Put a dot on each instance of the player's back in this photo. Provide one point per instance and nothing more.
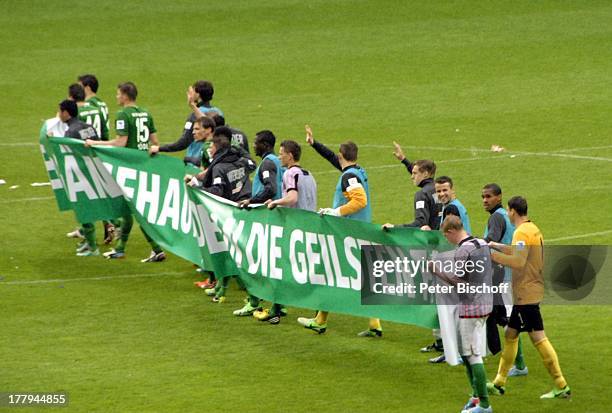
(137, 124)
(92, 115)
(99, 103)
(528, 282)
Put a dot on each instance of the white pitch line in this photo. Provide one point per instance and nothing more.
(399, 165)
(561, 153)
(19, 144)
(110, 277)
(37, 198)
(590, 234)
(586, 148)
(564, 155)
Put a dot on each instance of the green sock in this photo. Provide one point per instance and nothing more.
(480, 379)
(519, 361)
(276, 309)
(221, 286)
(470, 375)
(126, 227)
(120, 245)
(254, 301)
(89, 231)
(154, 245)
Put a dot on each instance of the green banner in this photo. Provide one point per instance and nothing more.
(285, 255)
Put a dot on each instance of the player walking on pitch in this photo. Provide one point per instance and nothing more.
(526, 258)
(474, 308)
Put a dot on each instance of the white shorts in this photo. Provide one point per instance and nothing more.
(472, 336)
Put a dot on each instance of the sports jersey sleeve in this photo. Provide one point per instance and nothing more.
(325, 152)
(354, 192)
(267, 175)
(290, 179)
(520, 250)
(496, 227)
(422, 210)
(151, 123)
(408, 165)
(185, 139)
(121, 124)
(218, 182)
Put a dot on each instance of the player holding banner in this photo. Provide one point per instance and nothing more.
(352, 201)
(135, 129)
(474, 308)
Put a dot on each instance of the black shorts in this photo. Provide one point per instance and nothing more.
(526, 318)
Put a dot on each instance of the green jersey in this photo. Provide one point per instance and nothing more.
(105, 128)
(137, 124)
(92, 115)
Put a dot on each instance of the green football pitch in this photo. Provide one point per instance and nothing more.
(447, 80)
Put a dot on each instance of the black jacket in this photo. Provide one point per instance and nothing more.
(78, 129)
(426, 206)
(228, 175)
(186, 137)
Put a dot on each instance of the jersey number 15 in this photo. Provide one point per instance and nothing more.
(142, 134)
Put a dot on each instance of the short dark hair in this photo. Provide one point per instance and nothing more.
(496, 189)
(451, 222)
(223, 131)
(426, 165)
(266, 137)
(519, 204)
(444, 180)
(293, 148)
(219, 119)
(206, 122)
(69, 106)
(76, 92)
(89, 80)
(128, 89)
(349, 151)
(221, 141)
(205, 89)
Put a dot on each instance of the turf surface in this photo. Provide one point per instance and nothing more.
(446, 80)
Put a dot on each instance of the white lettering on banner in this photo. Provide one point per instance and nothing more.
(209, 228)
(95, 177)
(103, 174)
(309, 251)
(326, 262)
(276, 232)
(300, 274)
(349, 245)
(171, 207)
(102, 188)
(65, 149)
(76, 181)
(314, 259)
(123, 175)
(259, 233)
(51, 166)
(232, 233)
(341, 280)
(354, 261)
(146, 196)
(186, 217)
(198, 229)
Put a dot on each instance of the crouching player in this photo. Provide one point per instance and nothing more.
(472, 265)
